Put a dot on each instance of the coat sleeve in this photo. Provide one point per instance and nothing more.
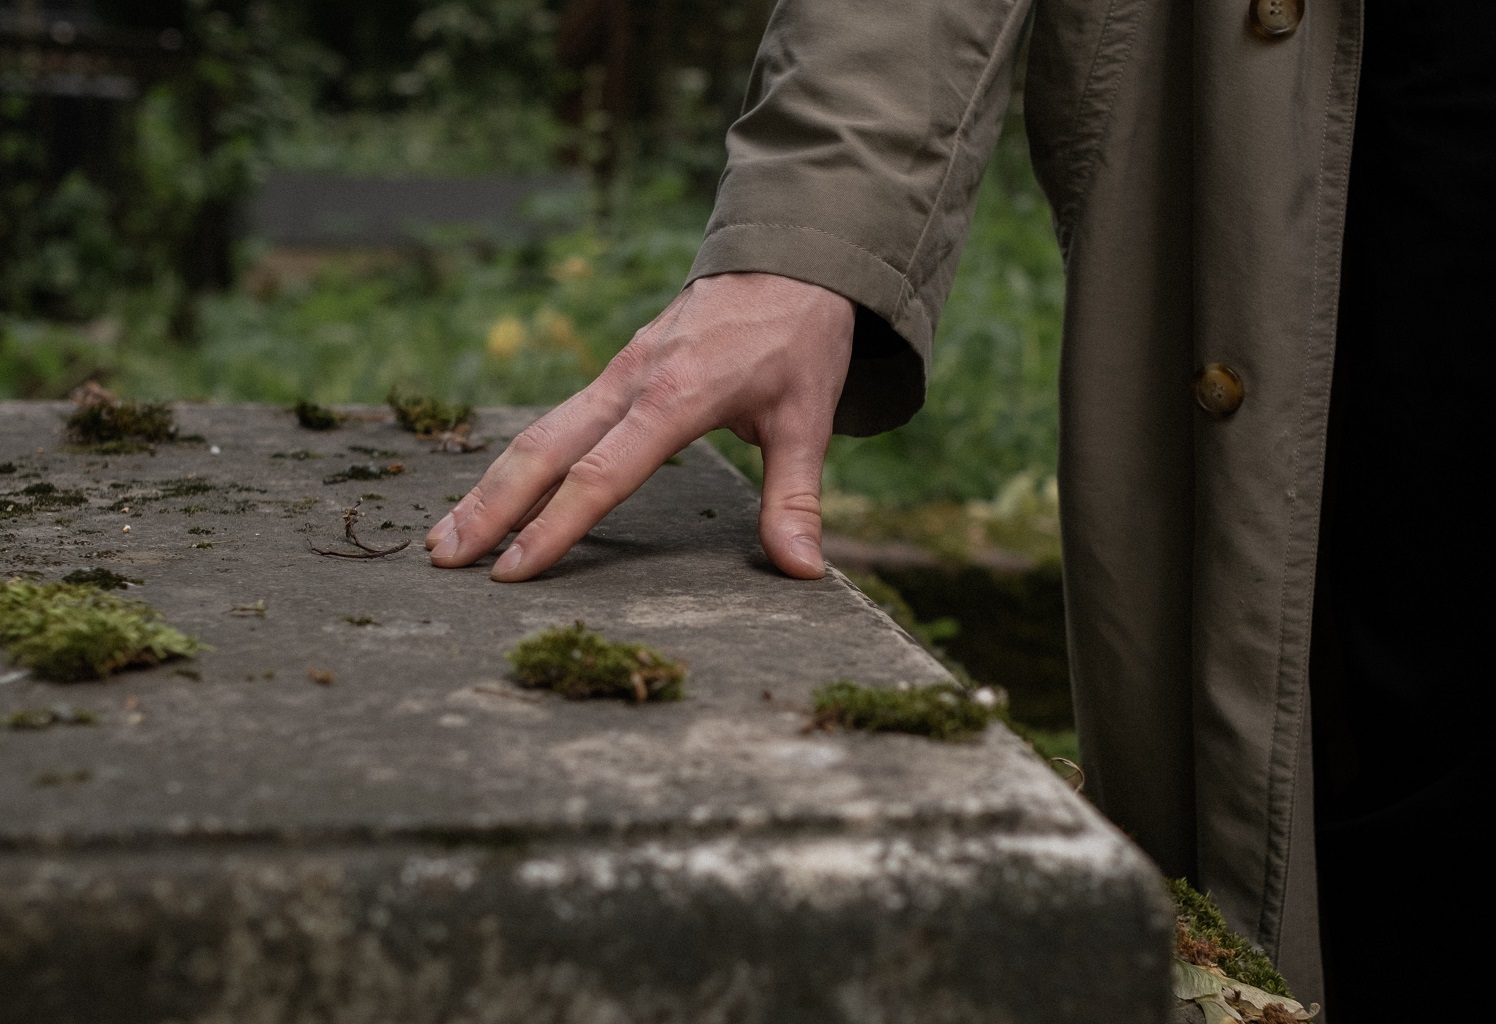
(855, 166)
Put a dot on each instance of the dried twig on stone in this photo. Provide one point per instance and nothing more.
(351, 516)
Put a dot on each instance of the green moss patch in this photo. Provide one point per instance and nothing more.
(580, 663)
(1220, 972)
(317, 417)
(121, 424)
(68, 632)
(944, 711)
(428, 416)
(45, 718)
(104, 579)
(1204, 940)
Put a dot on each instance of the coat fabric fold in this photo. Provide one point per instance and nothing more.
(1196, 158)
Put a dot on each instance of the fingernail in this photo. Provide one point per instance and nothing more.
(508, 561)
(447, 546)
(808, 551)
(441, 530)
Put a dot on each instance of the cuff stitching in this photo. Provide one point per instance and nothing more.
(903, 276)
(908, 294)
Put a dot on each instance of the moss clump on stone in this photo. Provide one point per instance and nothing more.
(69, 632)
(580, 663)
(45, 718)
(427, 416)
(104, 579)
(365, 471)
(944, 711)
(1205, 941)
(121, 423)
(317, 417)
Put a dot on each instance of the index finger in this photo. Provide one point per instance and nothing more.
(520, 477)
(596, 484)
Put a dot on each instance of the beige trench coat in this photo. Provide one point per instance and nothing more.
(1197, 170)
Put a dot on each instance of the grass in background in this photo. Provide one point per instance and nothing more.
(534, 323)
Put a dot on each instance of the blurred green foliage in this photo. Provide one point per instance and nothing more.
(382, 87)
(533, 323)
(527, 325)
(122, 283)
(150, 203)
(445, 87)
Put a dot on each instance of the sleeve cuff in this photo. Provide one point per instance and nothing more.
(891, 344)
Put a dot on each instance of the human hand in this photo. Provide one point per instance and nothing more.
(762, 355)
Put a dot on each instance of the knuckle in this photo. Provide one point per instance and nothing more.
(663, 393)
(534, 441)
(805, 503)
(592, 473)
(630, 360)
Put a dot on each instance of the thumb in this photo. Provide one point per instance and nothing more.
(789, 519)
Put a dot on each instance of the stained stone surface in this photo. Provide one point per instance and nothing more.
(423, 841)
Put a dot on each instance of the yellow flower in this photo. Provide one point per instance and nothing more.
(573, 268)
(506, 337)
(558, 332)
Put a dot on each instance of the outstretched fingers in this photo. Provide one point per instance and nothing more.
(515, 487)
(596, 484)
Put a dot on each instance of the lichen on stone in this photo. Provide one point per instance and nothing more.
(365, 471)
(942, 711)
(317, 417)
(121, 424)
(42, 497)
(580, 663)
(428, 416)
(69, 632)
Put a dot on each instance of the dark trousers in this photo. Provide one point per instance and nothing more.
(1400, 675)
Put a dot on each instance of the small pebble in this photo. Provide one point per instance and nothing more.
(215, 450)
(124, 529)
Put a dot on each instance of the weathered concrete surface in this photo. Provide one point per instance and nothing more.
(421, 841)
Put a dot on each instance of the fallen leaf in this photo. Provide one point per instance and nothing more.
(1224, 1000)
(1217, 1010)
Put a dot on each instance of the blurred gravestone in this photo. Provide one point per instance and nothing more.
(346, 812)
(295, 209)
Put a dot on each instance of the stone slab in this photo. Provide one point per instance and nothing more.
(422, 841)
(300, 208)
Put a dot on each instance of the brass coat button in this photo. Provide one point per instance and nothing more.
(1218, 389)
(1275, 19)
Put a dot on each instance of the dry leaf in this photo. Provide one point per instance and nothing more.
(1225, 1000)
